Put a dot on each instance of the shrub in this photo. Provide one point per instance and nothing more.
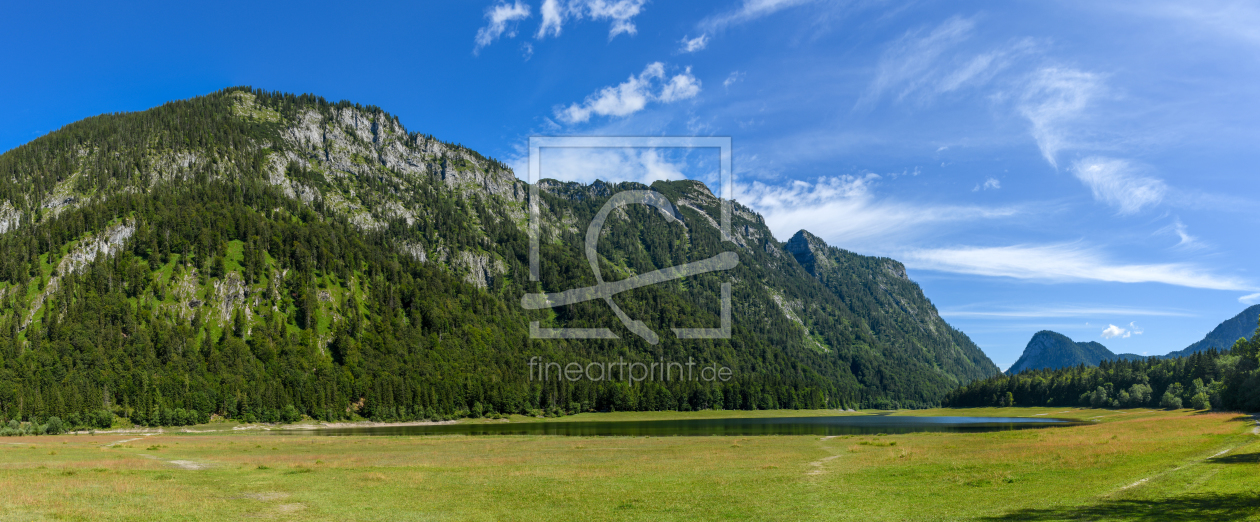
(1170, 401)
(290, 414)
(102, 419)
(1200, 402)
(1139, 394)
(55, 426)
(1099, 398)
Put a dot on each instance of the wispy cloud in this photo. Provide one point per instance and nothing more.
(906, 64)
(633, 95)
(733, 78)
(1250, 299)
(748, 11)
(619, 13)
(1059, 311)
(923, 66)
(1117, 183)
(991, 183)
(691, 45)
(1185, 240)
(845, 211)
(1054, 101)
(1064, 262)
(501, 18)
(1216, 18)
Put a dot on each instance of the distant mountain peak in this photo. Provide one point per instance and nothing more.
(1053, 350)
(805, 248)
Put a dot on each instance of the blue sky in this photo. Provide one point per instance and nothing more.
(1078, 166)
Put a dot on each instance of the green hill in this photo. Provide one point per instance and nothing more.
(262, 256)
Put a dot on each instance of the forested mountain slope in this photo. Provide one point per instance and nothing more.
(877, 290)
(262, 255)
(1241, 326)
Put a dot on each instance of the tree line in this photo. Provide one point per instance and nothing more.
(1212, 379)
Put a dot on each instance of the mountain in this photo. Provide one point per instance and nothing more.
(1241, 326)
(261, 256)
(877, 290)
(1053, 350)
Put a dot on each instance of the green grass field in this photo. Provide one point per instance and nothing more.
(1130, 465)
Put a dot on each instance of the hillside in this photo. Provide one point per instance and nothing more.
(1053, 350)
(262, 255)
(878, 290)
(1241, 326)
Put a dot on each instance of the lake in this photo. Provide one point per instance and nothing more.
(839, 425)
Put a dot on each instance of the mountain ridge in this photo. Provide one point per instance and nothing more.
(1241, 326)
(257, 255)
(1052, 350)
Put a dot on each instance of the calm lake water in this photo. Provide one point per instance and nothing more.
(841, 425)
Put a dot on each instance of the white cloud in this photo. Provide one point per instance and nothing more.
(1133, 327)
(1055, 99)
(1114, 331)
(748, 11)
(1064, 262)
(502, 18)
(610, 165)
(991, 183)
(691, 45)
(552, 18)
(1250, 299)
(633, 95)
(680, 87)
(1115, 182)
(733, 78)
(620, 13)
(844, 211)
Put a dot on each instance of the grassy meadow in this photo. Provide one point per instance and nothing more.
(1129, 465)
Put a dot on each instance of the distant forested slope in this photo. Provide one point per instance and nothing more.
(1213, 378)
